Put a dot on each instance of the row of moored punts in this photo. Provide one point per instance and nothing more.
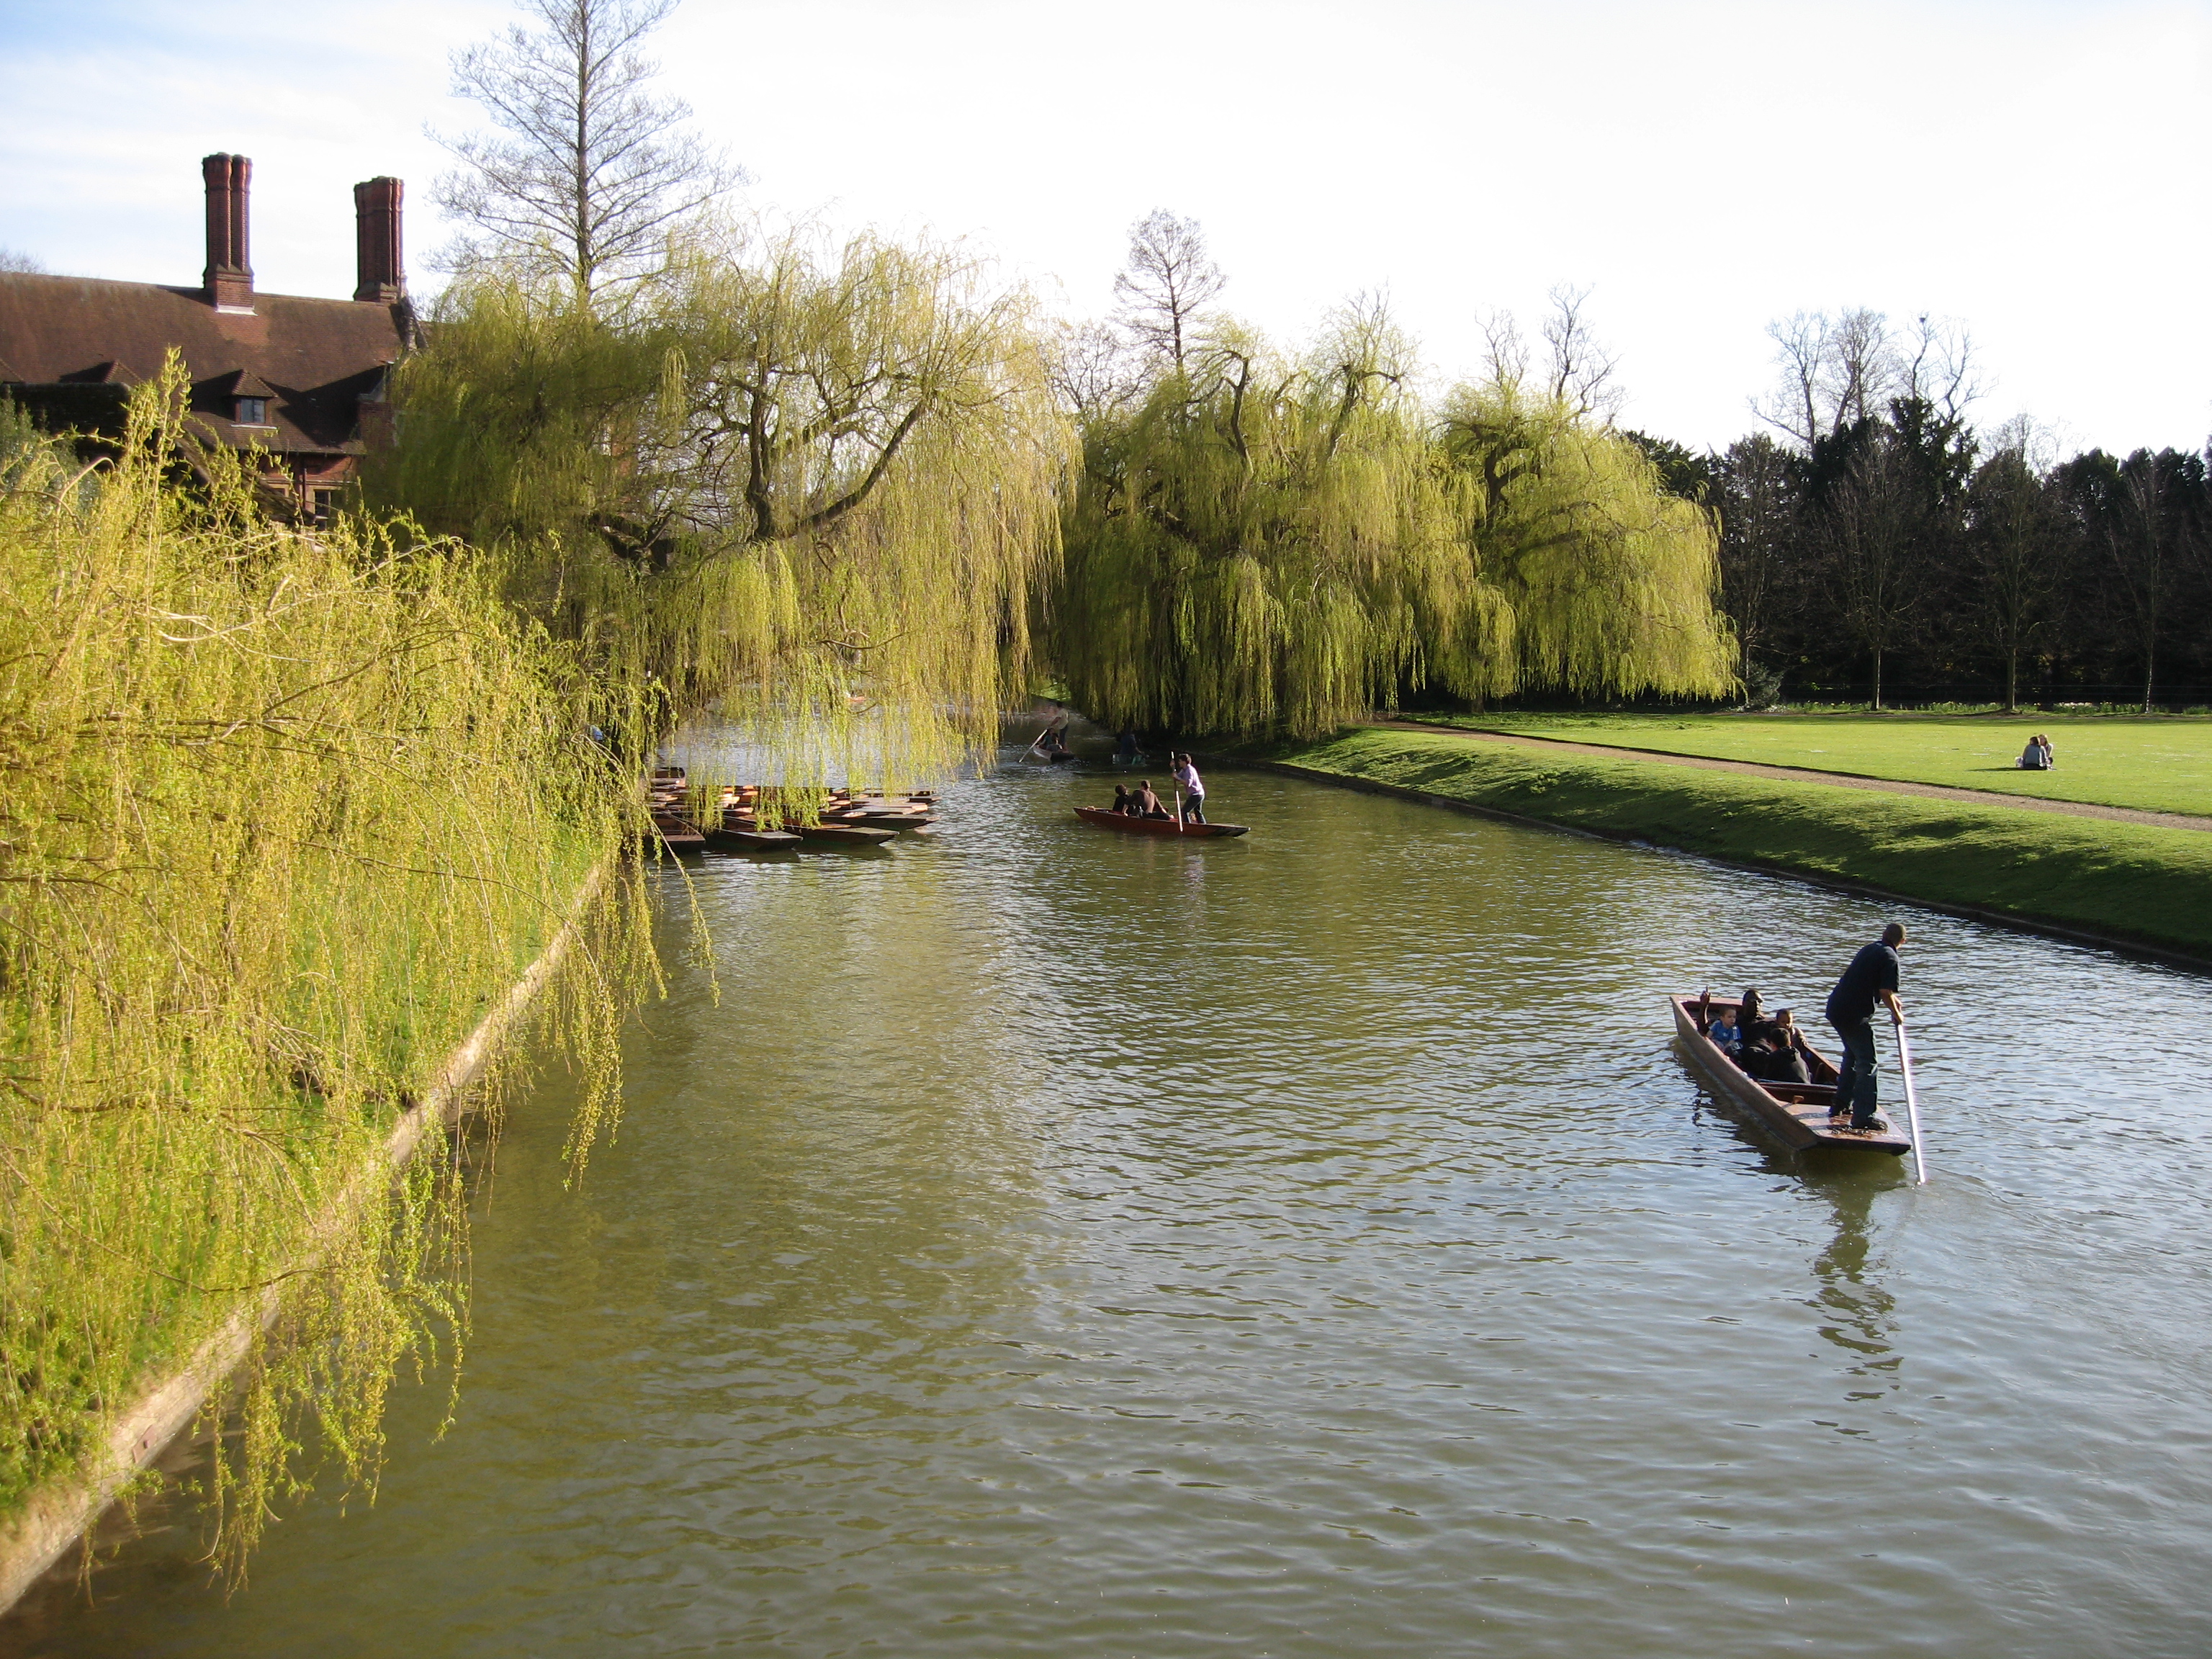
(746, 817)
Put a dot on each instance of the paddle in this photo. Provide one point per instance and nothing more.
(1912, 1100)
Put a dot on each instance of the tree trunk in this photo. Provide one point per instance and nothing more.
(2012, 682)
(1877, 679)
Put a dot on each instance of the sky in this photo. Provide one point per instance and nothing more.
(2036, 171)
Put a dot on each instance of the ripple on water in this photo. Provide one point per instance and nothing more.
(1304, 1245)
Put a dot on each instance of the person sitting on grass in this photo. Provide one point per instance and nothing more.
(2036, 757)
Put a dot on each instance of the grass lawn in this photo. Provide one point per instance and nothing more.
(2150, 883)
(2160, 763)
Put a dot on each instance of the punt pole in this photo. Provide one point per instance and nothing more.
(1912, 1103)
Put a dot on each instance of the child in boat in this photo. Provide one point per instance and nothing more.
(1726, 1034)
(1771, 1050)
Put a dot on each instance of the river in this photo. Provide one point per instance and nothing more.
(1055, 1243)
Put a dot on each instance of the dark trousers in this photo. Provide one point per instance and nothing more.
(1856, 1086)
(1194, 808)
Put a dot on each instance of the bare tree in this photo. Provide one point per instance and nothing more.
(1936, 364)
(587, 170)
(1757, 508)
(1869, 528)
(2015, 542)
(1169, 278)
(1581, 369)
(1506, 353)
(1836, 370)
(10, 259)
(1092, 371)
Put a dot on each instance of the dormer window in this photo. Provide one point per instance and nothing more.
(251, 411)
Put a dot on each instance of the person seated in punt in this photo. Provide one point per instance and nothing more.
(1121, 799)
(1726, 1034)
(1144, 804)
(1772, 1049)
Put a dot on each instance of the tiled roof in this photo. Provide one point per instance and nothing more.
(317, 358)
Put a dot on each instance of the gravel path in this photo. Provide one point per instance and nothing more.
(2074, 809)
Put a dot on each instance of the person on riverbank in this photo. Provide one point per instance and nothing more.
(1193, 790)
(2037, 756)
(1870, 980)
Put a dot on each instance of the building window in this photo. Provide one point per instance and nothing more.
(323, 504)
(252, 411)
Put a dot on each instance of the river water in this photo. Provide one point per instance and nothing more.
(1058, 1243)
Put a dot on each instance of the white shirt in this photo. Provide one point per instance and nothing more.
(1187, 776)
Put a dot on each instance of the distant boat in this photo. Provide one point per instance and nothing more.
(1107, 818)
(1796, 1113)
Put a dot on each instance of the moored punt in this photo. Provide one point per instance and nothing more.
(1796, 1113)
(1107, 818)
(843, 835)
(728, 840)
(677, 835)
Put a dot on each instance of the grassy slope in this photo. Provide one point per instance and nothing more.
(2116, 878)
(2161, 763)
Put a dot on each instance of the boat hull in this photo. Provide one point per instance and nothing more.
(1107, 819)
(750, 841)
(842, 835)
(1795, 1114)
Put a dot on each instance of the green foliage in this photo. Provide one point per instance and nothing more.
(2121, 879)
(816, 487)
(1610, 579)
(284, 815)
(1264, 544)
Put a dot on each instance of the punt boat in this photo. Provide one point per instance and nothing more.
(843, 835)
(732, 838)
(1796, 1113)
(676, 833)
(1107, 818)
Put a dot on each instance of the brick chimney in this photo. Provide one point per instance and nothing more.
(383, 275)
(228, 278)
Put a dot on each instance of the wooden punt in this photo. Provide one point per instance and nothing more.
(677, 835)
(1796, 1113)
(842, 835)
(726, 840)
(1107, 818)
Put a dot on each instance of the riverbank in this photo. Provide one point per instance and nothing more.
(2119, 883)
(2160, 763)
(48, 1520)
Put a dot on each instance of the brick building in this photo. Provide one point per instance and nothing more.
(300, 380)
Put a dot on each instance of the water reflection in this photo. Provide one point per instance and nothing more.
(1057, 1244)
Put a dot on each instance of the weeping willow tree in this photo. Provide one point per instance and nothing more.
(1608, 580)
(813, 487)
(1260, 545)
(261, 870)
(1266, 545)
